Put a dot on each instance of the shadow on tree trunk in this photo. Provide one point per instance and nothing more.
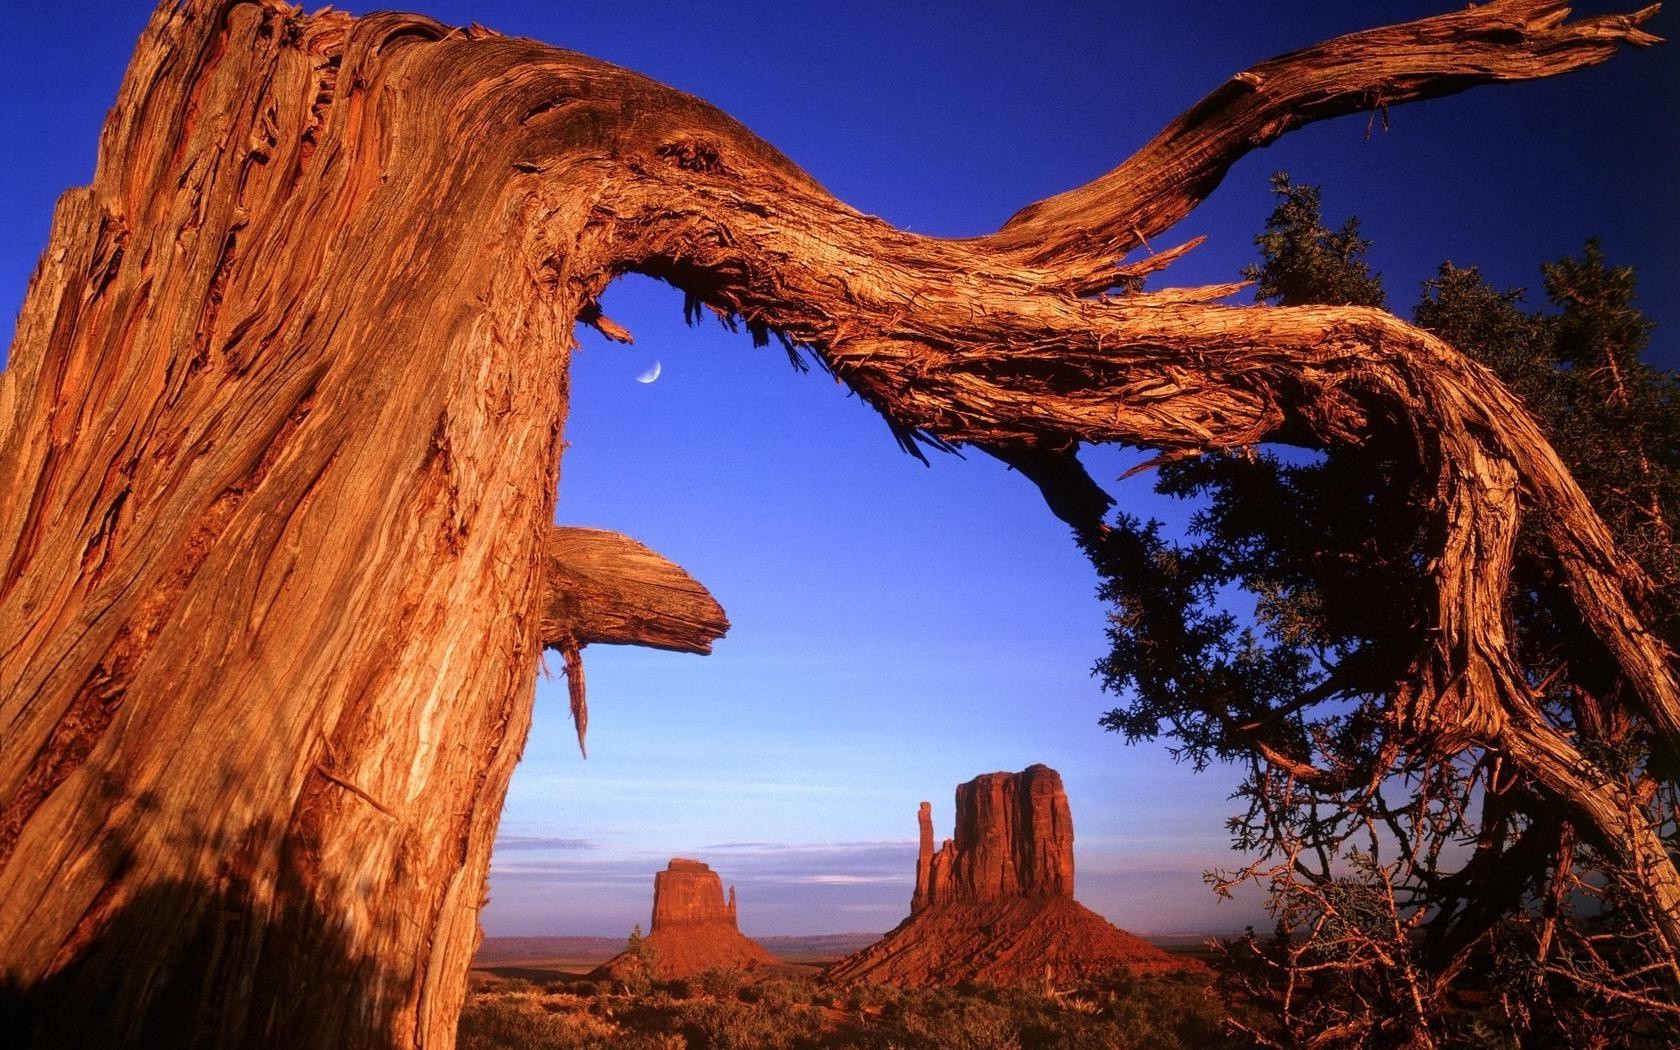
(188, 964)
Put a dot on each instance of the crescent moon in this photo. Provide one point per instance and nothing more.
(650, 375)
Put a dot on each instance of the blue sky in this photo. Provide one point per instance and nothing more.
(898, 628)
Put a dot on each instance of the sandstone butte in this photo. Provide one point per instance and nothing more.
(693, 926)
(996, 903)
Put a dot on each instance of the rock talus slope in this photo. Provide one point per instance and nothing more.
(694, 927)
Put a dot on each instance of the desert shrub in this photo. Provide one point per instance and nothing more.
(524, 1020)
(1159, 1013)
(780, 994)
(719, 982)
(647, 1013)
(728, 1024)
(1169, 1013)
(870, 997)
(954, 1019)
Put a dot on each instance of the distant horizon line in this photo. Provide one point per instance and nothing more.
(619, 937)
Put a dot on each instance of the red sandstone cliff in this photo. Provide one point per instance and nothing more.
(689, 893)
(995, 903)
(693, 926)
(1014, 838)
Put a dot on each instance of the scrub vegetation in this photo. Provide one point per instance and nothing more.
(720, 1010)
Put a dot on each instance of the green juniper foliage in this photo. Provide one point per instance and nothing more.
(1302, 262)
(1422, 893)
(641, 969)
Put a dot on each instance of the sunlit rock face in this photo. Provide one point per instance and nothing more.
(690, 893)
(694, 927)
(1014, 838)
(995, 902)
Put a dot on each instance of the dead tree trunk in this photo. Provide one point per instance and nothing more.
(281, 432)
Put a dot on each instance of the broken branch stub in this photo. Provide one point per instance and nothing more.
(603, 587)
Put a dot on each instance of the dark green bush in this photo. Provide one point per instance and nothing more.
(780, 994)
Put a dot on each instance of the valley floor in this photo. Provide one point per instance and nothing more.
(532, 994)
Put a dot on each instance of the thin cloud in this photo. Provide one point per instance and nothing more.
(572, 877)
(816, 849)
(507, 842)
(836, 865)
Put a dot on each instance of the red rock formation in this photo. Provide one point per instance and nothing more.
(693, 926)
(689, 893)
(924, 860)
(1014, 839)
(996, 902)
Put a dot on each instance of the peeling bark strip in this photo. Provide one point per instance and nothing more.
(284, 418)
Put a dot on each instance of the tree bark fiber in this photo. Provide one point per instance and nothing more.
(281, 430)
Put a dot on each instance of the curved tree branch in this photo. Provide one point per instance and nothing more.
(1506, 40)
(974, 342)
(604, 587)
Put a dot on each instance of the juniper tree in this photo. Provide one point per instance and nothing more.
(1401, 866)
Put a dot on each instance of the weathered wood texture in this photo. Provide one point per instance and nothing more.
(605, 587)
(281, 429)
